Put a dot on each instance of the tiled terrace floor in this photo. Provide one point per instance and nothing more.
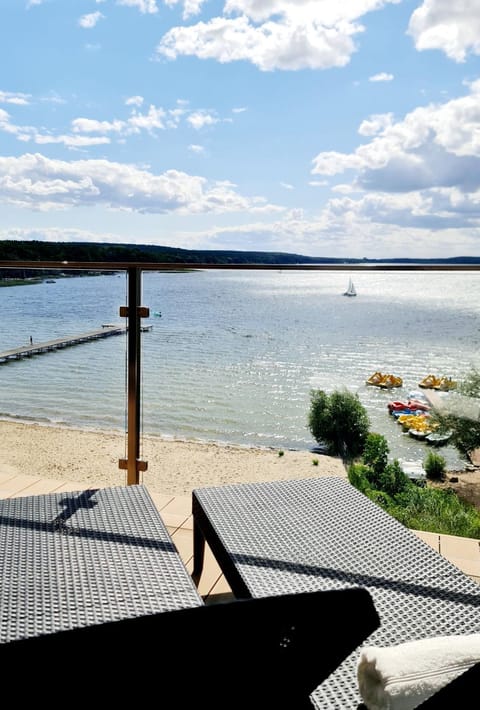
(176, 513)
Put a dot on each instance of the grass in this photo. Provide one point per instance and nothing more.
(420, 507)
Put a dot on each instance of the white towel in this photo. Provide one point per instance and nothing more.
(404, 676)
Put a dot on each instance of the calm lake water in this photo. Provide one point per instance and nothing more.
(235, 354)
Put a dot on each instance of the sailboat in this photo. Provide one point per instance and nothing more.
(351, 291)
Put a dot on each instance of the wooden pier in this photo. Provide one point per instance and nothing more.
(39, 348)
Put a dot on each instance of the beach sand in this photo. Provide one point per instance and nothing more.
(175, 467)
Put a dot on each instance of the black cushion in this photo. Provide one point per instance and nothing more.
(254, 653)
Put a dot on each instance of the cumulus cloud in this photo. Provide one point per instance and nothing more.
(37, 182)
(146, 7)
(100, 131)
(194, 148)
(9, 97)
(90, 20)
(383, 76)
(190, 7)
(436, 145)
(451, 27)
(200, 119)
(134, 101)
(421, 171)
(275, 34)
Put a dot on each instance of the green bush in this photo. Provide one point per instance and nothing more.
(435, 466)
(340, 421)
(393, 480)
(375, 453)
(358, 476)
(416, 507)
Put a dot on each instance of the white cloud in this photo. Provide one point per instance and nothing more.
(70, 141)
(8, 97)
(198, 149)
(90, 20)
(146, 7)
(436, 145)
(375, 124)
(88, 125)
(422, 171)
(275, 34)
(154, 119)
(190, 7)
(200, 119)
(287, 186)
(383, 76)
(452, 27)
(148, 121)
(240, 109)
(134, 101)
(40, 183)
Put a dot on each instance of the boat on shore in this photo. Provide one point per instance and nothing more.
(444, 384)
(411, 405)
(436, 438)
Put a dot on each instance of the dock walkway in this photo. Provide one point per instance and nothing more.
(39, 348)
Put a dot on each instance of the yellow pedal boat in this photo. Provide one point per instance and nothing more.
(437, 383)
(386, 381)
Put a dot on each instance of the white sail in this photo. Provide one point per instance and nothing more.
(351, 291)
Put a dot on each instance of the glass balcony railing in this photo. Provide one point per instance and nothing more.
(230, 353)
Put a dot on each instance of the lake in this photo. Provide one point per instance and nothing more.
(234, 355)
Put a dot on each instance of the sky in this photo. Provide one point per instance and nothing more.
(328, 128)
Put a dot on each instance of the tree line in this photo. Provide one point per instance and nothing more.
(13, 250)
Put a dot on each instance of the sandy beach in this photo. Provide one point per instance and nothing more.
(174, 467)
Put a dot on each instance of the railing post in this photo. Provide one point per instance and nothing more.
(134, 312)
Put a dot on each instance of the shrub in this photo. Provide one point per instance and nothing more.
(340, 422)
(358, 476)
(375, 453)
(392, 479)
(435, 466)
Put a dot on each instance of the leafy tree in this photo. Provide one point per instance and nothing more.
(339, 421)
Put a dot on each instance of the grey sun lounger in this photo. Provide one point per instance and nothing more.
(295, 536)
(97, 606)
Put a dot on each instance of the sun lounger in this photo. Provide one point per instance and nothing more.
(296, 536)
(75, 559)
(97, 607)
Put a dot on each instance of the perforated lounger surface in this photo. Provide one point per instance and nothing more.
(69, 560)
(321, 533)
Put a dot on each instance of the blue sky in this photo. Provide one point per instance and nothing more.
(337, 128)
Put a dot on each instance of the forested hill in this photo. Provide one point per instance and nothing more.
(12, 250)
